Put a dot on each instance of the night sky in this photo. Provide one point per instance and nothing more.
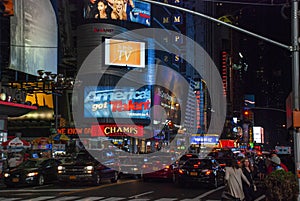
(268, 75)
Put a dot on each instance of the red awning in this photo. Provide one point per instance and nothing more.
(15, 109)
(16, 142)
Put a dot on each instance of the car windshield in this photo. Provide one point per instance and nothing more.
(84, 158)
(196, 163)
(31, 164)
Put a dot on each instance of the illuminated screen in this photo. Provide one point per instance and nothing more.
(204, 140)
(124, 53)
(129, 10)
(33, 31)
(110, 102)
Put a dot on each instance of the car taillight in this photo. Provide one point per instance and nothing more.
(180, 171)
(208, 172)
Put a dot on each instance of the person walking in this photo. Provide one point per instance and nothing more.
(247, 169)
(261, 168)
(275, 164)
(234, 177)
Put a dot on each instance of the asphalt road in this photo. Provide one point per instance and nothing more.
(124, 189)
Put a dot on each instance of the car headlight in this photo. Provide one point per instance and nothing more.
(31, 174)
(60, 167)
(6, 174)
(89, 168)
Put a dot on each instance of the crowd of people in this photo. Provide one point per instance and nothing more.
(242, 175)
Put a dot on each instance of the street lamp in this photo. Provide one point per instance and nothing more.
(55, 84)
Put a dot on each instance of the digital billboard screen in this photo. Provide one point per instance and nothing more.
(124, 53)
(113, 102)
(33, 39)
(125, 10)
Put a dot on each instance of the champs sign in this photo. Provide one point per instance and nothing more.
(112, 130)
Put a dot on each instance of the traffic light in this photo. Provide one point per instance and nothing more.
(246, 114)
(6, 7)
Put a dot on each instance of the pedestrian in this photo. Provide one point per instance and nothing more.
(247, 169)
(261, 168)
(234, 177)
(276, 164)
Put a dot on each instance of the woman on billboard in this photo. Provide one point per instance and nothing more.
(118, 12)
(102, 6)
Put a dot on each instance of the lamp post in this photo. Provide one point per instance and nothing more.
(55, 84)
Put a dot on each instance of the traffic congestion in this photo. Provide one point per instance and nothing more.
(189, 171)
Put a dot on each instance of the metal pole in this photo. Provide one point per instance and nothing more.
(294, 48)
(221, 22)
(295, 85)
(56, 112)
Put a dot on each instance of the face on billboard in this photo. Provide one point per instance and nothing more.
(125, 10)
(110, 102)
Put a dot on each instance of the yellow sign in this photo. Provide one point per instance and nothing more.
(40, 99)
(124, 53)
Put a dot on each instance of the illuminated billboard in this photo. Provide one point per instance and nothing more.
(124, 53)
(122, 102)
(33, 32)
(125, 10)
(112, 130)
(166, 105)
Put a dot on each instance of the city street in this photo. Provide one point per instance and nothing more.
(125, 189)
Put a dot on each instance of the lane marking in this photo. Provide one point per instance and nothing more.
(90, 198)
(37, 190)
(96, 187)
(40, 198)
(208, 192)
(139, 195)
(260, 198)
(114, 199)
(65, 198)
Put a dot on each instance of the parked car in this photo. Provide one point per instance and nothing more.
(199, 170)
(85, 168)
(159, 167)
(32, 172)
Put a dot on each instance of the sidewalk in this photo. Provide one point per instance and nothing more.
(261, 188)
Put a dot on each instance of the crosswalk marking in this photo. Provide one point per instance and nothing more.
(95, 198)
(90, 199)
(67, 198)
(39, 198)
(114, 199)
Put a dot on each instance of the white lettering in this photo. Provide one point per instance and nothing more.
(116, 94)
